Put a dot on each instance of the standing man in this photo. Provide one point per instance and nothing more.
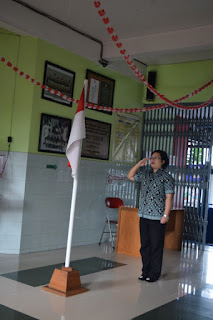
(157, 189)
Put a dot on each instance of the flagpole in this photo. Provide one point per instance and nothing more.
(66, 281)
(73, 201)
(70, 231)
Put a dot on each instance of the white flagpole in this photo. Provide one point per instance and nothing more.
(70, 230)
(74, 196)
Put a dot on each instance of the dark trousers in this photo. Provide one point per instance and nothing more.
(152, 234)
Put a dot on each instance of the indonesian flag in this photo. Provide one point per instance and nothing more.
(78, 133)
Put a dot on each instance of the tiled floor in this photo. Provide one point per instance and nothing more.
(40, 276)
(185, 290)
(10, 314)
(190, 306)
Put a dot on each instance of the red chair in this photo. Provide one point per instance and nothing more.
(111, 203)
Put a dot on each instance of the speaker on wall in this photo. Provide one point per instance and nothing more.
(151, 79)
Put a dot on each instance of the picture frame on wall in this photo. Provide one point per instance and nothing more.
(126, 139)
(100, 90)
(58, 78)
(96, 145)
(54, 133)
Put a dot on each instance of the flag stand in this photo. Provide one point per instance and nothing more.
(66, 281)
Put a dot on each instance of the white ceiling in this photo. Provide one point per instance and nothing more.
(152, 31)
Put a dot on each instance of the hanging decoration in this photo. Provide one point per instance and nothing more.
(119, 110)
(133, 67)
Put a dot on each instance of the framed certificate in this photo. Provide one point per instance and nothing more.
(100, 90)
(54, 133)
(97, 142)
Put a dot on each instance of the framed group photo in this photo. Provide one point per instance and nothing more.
(54, 133)
(100, 90)
(60, 79)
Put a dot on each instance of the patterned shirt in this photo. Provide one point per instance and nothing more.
(154, 187)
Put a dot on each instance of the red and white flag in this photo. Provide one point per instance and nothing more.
(78, 132)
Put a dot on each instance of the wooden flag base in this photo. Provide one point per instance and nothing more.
(65, 282)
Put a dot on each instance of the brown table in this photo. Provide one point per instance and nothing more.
(128, 236)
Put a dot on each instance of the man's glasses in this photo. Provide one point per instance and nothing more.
(155, 158)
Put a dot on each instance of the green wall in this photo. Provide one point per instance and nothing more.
(127, 91)
(24, 95)
(177, 80)
(21, 103)
(16, 93)
(9, 45)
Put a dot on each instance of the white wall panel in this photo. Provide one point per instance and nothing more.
(12, 191)
(35, 201)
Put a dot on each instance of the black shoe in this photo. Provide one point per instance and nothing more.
(150, 279)
(142, 278)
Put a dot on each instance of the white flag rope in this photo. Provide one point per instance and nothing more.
(129, 61)
(118, 110)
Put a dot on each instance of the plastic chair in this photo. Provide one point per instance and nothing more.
(111, 203)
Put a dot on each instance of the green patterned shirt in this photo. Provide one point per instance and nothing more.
(154, 187)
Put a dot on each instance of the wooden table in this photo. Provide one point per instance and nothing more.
(128, 235)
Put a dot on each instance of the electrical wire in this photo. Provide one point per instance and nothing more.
(4, 166)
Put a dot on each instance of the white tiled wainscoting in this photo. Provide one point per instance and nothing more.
(35, 201)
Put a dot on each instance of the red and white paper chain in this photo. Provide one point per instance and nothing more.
(133, 67)
(102, 108)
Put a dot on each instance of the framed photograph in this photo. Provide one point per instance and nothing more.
(97, 142)
(60, 79)
(54, 133)
(100, 90)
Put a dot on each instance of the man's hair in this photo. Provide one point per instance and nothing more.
(164, 157)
